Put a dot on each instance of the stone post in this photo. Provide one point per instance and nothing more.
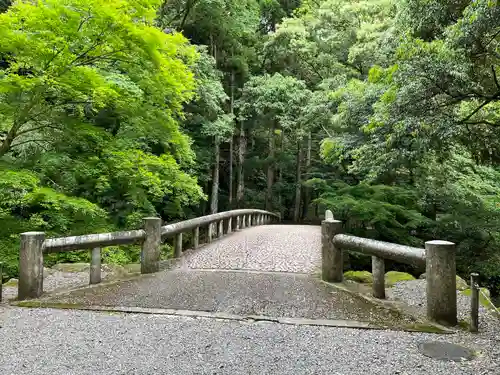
(331, 257)
(178, 245)
(378, 272)
(150, 256)
(220, 231)
(474, 302)
(229, 225)
(95, 266)
(441, 282)
(30, 283)
(196, 237)
(210, 231)
(249, 220)
(238, 223)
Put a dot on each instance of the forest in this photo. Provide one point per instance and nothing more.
(386, 112)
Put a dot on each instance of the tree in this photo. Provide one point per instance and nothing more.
(274, 102)
(90, 97)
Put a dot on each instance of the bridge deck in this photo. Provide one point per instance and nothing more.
(270, 271)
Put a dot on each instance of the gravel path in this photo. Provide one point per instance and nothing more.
(56, 342)
(282, 248)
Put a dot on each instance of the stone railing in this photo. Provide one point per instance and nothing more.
(438, 257)
(34, 245)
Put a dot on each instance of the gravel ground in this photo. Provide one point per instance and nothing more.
(54, 281)
(413, 294)
(63, 342)
(282, 248)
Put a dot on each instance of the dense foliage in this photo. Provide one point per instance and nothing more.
(386, 112)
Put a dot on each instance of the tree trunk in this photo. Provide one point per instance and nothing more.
(241, 160)
(307, 190)
(270, 170)
(214, 201)
(6, 144)
(296, 213)
(231, 156)
(280, 176)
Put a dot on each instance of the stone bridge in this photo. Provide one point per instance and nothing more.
(269, 272)
(250, 271)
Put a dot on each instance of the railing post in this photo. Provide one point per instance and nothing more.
(95, 266)
(229, 225)
(196, 237)
(331, 256)
(220, 232)
(474, 302)
(441, 282)
(238, 225)
(178, 245)
(249, 220)
(378, 272)
(30, 283)
(210, 231)
(243, 223)
(150, 256)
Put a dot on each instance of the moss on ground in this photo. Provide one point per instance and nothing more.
(393, 277)
(423, 327)
(461, 284)
(11, 283)
(464, 324)
(364, 277)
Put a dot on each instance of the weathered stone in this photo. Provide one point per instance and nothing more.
(399, 253)
(331, 255)
(422, 276)
(363, 277)
(150, 254)
(393, 277)
(444, 351)
(441, 282)
(378, 270)
(31, 265)
(95, 266)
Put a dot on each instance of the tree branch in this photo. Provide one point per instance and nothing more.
(27, 141)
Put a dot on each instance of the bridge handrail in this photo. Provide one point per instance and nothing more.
(400, 253)
(183, 226)
(438, 258)
(34, 244)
